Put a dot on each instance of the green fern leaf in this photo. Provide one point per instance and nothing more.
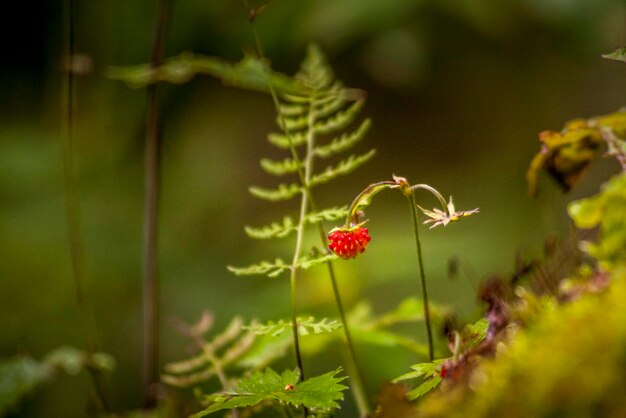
(315, 73)
(279, 168)
(618, 55)
(283, 192)
(426, 370)
(273, 230)
(317, 393)
(344, 167)
(250, 73)
(307, 262)
(264, 267)
(344, 142)
(424, 388)
(306, 326)
(339, 120)
(331, 214)
(282, 141)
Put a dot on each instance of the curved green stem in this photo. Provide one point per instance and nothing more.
(418, 245)
(436, 193)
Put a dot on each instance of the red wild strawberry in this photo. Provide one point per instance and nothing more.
(348, 242)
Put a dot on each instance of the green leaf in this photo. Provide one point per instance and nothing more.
(19, 377)
(315, 73)
(273, 230)
(344, 167)
(264, 267)
(331, 214)
(605, 209)
(306, 326)
(320, 392)
(344, 142)
(426, 370)
(280, 168)
(618, 55)
(307, 262)
(249, 73)
(283, 192)
(424, 388)
(282, 140)
(339, 120)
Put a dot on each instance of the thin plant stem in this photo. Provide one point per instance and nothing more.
(418, 245)
(72, 205)
(304, 176)
(150, 282)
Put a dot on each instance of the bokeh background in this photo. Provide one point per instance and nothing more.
(457, 92)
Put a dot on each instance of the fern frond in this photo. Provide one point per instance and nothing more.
(283, 192)
(339, 120)
(264, 267)
(273, 230)
(330, 214)
(279, 168)
(306, 326)
(344, 142)
(293, 109)
(282, 141)
(249, 73)
(344, 167)
(307, 262)
(187, 380)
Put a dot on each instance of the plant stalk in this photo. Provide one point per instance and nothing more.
(72, 206)
(358, 387)
(152, 155)
(418, 245)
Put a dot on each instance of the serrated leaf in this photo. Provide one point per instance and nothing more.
(339, 120)
(264, 267)
(273, 230)
(307, 262)
(421, 370)
(344, 142)
(424, 388)
(306, 326)
(320, 392)
(280, 168)
(283, 192)
(618, 55)
(249, 73)
(330, 214)
(315, 73)
(344, 167)
(282, 140)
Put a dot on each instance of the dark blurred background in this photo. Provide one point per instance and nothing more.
(457, 91)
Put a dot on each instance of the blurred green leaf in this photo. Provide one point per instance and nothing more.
(249, 73)
(618, 55)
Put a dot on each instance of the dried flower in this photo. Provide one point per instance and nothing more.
(439, 217)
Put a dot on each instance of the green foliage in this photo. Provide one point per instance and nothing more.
(561, 365)
(274, 269)
(313, 123)
(606, 209)
(21, 376)
(618, 55)
(249, 73)
(566, 155)
(306, 326)
(317, 393)
(232, 348)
